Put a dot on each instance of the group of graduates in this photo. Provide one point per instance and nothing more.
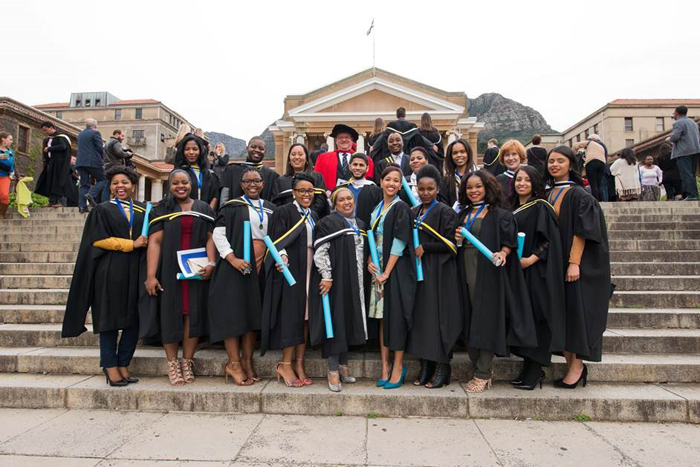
(324, 221)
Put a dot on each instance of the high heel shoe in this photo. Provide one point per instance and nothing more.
(583, 378)
(297, 383)
(250, 371)
(441, 377)
(399, 383)
(187, 367)
(335, 387)
(175, 373)
(478, 385)
(523, 371)
(427, 368)
(129, 379)
(306, 381)
(120, 383)
(529, 387)
(229, 370)
(345, 377)
(382, 382)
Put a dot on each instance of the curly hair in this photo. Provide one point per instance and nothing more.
(538, 191)
(122, 170)
(494, 195)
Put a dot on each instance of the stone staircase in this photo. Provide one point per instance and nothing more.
(650, 370)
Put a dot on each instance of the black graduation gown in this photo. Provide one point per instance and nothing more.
(505, 181)
(348, 322)
(411, 139)
(381, 164)
(210, 184)
(231, 183)
(367, 200)
(502, 315)
(437, 316)
(284, 306)
(586, 299)
(235, 300)
(400, 288)
(545, 283)
(447, 195)
(491, 162)
(55, 180)
(282, 193)
(161, 316)
(107, 282)
(435, 137)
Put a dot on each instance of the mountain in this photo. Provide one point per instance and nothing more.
(234, 146)
(506, 119)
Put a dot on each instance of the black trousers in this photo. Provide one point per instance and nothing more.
(118, 354)
(687, 166)
(595, 171)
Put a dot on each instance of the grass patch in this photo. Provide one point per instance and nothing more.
(339, 414)
(374, 415)
(582, 417)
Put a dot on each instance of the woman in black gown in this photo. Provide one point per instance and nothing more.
(459, 160)
(586, 268)
(107, 277)
(496, 303)
(191, 156)
(511, 156)
(298, 161)
(542, 265)
(437, 316)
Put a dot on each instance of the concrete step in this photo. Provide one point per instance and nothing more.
(648, 269)
(49, 216)
(655, 299)
(34, 314)
(644, 204)
(39, 236)
(647, 226)
(41, 223)
(210, 362)
(37, 257)
(53, 247)
(33, 296)
(652, 318)
(652, 217)
(601, 402)
(31, 269)
(654, 234)
(615, 340)
(652, 245)
(35, 282)
(661, 210)
(74, 231)
(643, 283)
(677, 256)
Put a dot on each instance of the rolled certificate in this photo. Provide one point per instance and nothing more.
(479, 246)
(419, 264)
(521, 244)
(278, 259)
(409, 192)
(373, 250)
(144, 229)
(327, 316)
(246, 241)
(182, 277)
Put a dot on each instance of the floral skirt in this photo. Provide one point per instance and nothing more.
(650, 193)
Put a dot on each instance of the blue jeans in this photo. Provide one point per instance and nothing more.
(97, 191)
(687, 166)
(113, 354)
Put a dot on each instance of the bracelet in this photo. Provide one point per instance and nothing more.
(211, 263)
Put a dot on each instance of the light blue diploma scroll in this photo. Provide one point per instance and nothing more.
(479, 246)
(278, 260)
(419, 264)
(373, 250)
(246, 241)
(182, 277)
(327, 316)
(409, 192)
(521, 244)
(144, 229)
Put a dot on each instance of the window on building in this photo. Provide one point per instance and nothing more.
(587, 133)
(595, 129)
(659, 124)
(87, 102)
(628, 124)
(78, 103)
(59, 114)
(137, 134)
(117, 114)
(97, 102)
(139, 113)
(23, 139)
(629, 142)
(162, 138)
(578, 138)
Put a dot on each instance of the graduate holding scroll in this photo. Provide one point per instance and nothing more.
(173, 311)
(437, 316)
(340, 258)
(286, 308)
(237, 286)
(494, 298)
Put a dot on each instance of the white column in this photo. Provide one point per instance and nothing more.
(301, 138)
(156, 190)
(142, 187)
(361, 143)
(330, 141)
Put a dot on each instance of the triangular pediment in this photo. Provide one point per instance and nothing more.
(376, 100)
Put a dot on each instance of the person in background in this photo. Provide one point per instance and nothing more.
(459, 160)
(594, 162)
(671, 177)
(537, 155)
(376, 133)
(626, 176)
(511, 156)
(397, 157)
(651, 178)
(317, 152)
(7, 167)
(54, 181)
(365, 192)
(219, 159)
(491, 162)
(685, 138)
(429, 132)
(417, 160)
(298, 161)
(191, 157)
(401, 124)
(335, 165)
(231, 182)
(115, 153)
(90, 165)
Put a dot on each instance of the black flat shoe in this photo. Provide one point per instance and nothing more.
(530, 386)
(120, 383)
(442, 376)
(427, 368)
(583, 378)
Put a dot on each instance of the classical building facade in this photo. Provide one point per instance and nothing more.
(150, 125)
(626, 122)
(358, 100)
(24, 122)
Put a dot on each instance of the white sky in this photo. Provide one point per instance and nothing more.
(226, 66)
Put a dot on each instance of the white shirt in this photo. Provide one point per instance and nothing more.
(398, 158)
(219, 236)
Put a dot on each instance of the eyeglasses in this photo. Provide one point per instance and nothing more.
(252, 182)
(310, 191)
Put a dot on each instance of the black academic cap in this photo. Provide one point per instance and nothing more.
(342, 128)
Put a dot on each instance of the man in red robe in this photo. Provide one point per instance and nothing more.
(335, 165)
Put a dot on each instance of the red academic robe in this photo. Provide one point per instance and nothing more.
(327, 165)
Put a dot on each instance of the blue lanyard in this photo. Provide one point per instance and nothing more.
(381, 211)
(306, 214)
(260, 213)
(420, 219)
(131, 214)
(458, 177)
(357, 231)
(195, 174)
(471, 221)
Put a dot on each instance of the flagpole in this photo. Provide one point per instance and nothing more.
(373, 49)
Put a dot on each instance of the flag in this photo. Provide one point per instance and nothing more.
(370, 27)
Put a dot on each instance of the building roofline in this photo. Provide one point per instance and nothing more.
(650, 142)
(38, 114)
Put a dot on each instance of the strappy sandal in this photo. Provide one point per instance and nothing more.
(307, 381)
(478, 385)
(175, 373)
(230, 370)
(187, 366)
(297, 383)
(250, 371)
